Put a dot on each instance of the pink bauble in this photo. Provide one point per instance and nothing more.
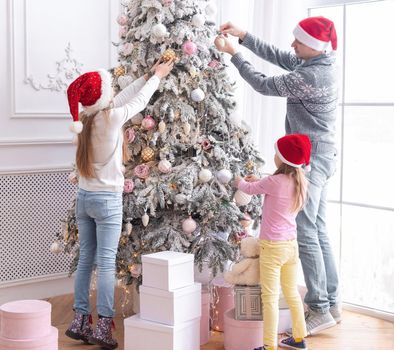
(122, 31)
(127, 49)
(148, 123)
(122, 19)
(167, 2)
(242, 235)
(189, 225)
(128, 186)
(165, 166)
(189, 48)
(214, 64)
(130, 135)
(141, 171)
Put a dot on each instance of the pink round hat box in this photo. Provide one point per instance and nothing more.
(241, 335)
(48, 342)
(25, 319)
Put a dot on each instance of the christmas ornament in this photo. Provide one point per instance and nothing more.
(141, 171)
(129, 228)
(124, 80)
(167, 2)
(246, 221)
(189, 48)
(249, 165)
(186, 128)
(224, 176)
(162, 127)
(206, 144)
(128, 186)
(214, 64)
(130, 135)
(164, 166)
(127, 49)
(56, 247)
(197, 95)
(118, 71)
(122, 31)
(205, 175)
(180, 198)
(198, 20)
(159, 31)
(137, 119)
(73, 178)
(189, 225)
(211, 9)
(147, 154)
(168, 55)
(148, 123)
(242, 198)
(145, 219)
(122, 19)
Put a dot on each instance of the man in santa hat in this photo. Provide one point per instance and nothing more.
(310, 87)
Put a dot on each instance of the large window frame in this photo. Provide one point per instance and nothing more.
(313, 5)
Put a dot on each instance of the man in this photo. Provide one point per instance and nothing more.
(311, 90)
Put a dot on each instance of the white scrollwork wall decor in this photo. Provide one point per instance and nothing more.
(67, 70)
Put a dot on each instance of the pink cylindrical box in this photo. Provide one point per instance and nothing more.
(25, 319)
(47, 342)
(222, 301)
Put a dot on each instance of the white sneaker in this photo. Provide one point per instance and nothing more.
(336, 313)
(316, 322)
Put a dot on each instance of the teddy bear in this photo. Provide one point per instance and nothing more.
(246, 271)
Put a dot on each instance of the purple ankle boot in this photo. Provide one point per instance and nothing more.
(102, 334)
(81, 327)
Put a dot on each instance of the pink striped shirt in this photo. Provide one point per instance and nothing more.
(277, 222)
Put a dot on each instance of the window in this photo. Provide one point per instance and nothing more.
(362, 190)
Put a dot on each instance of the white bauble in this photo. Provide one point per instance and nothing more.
(180, 198)
(186, 128)
(56, 247)
(198, 20)
(137, 119)
(189, 225)
(224, 176)
(242, 198)
(145, 219)
(164, 166)
(162, 127)
(159, 30)
(211, 9)
(124, 80)
(205, 175)
(197, 95)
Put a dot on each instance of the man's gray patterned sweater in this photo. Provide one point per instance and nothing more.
(310, 88)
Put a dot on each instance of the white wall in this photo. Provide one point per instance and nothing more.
(36, 152)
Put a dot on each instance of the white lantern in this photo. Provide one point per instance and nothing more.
(242, 198)
(224, 176)
(205, 175)
(164, 166)
(197, 95)
(159, 31)
(180, 198)
(56, 248)
(189, 225)
(198, 20)
(145, 219)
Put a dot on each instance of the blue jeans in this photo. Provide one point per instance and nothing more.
(317, 259)
(99, 220)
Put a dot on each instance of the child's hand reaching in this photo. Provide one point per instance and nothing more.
(251, 178)
(236, 181)
(163, 69)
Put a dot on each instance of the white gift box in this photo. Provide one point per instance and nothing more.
(146, 335)
(170, 307)
(168, 270)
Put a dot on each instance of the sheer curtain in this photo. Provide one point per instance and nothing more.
(273, 21)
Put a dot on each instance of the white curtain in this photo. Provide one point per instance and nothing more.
(273, 21)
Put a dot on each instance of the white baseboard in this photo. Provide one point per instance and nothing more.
(40, 289)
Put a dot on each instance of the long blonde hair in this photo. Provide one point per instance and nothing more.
(300, 182)
(84, 156)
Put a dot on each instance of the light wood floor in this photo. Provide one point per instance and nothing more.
(356, 332)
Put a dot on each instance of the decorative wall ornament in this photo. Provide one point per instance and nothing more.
(67, 70)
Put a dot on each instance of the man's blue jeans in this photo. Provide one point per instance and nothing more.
(99, 220)
(317, 259)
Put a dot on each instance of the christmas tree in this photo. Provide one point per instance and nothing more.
(184, 148)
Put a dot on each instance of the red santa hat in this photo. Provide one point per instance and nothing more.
(317, 33)
(93, 90)
(294, 150)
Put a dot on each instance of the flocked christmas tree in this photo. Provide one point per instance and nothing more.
(184, 147)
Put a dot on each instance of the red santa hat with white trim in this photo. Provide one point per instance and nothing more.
(317, 33)
(93, 90)
(294, 150)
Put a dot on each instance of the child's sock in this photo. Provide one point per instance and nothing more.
(269, 347)
(298, 340)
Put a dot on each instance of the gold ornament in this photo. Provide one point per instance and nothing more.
(168, 55)
(118, 71)
(147, 154)
(250, 165)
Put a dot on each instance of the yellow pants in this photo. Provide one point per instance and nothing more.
(278, 266)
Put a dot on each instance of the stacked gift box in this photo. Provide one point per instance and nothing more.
(26, 325)
(170, 305)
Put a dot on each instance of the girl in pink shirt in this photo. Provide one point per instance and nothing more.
(285, 194)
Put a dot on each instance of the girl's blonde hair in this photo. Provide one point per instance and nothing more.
(84, 156)
(300, 181)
